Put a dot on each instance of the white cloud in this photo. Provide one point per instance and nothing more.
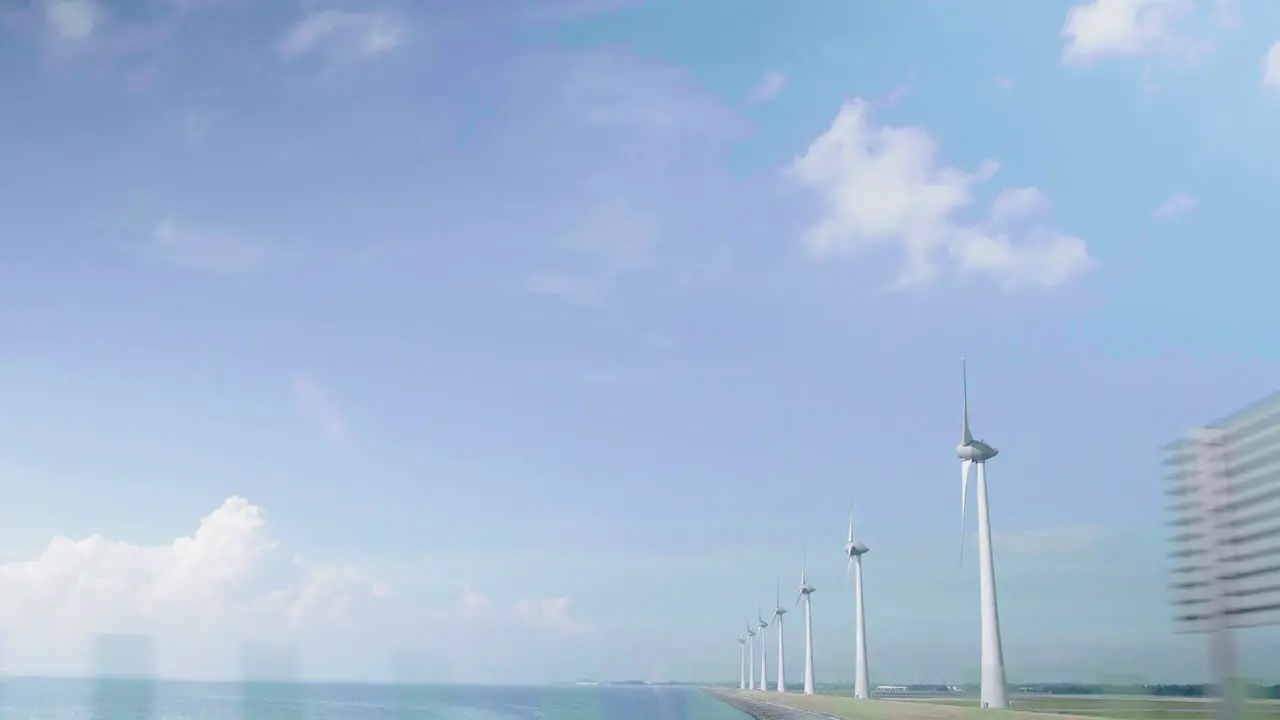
(618, 234)
(615, 238)
(344, 35)
(1011, 206)
(187, 6)
(1223, 13)
(204, 250)
(662, 107)
(768, 88)
(1132, 28)
(474, 603)
(642, 135)
(195, 127)
(228, 569)
(549, 615)
(229, 582)
(89, 30)
(1175, 205)
(326, 595)
(1271, 68)
(319, 407)
(552, 615)
(576, 289)
(72, 21)
(884, 186)
(142, 79)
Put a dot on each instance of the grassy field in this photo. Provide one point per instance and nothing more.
(1025, 707)
(1127, 708)
(847, 708)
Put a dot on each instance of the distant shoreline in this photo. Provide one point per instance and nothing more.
(1257, 690)
(331, 682)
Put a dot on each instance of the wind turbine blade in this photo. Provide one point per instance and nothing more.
(850, 523)
(967, 437)
(799, 597)
(964, 500)
(777, 595)
(848, 568)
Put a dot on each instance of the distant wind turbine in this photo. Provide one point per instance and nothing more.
(751, 645)
(764, 650)
(977, 452)
(855, 550)
(778, 612)
(742, 663)
(805, 591)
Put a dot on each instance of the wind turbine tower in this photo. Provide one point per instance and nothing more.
(855, 550)
(805, 591)
(742, 663)
(778, 612)
(977, 452)
(764, 650)
(751, 645)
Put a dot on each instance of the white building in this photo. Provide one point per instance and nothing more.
(1224, 499)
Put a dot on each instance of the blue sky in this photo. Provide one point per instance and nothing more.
(539, 340)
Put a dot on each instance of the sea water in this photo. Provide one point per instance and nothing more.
(58, 699)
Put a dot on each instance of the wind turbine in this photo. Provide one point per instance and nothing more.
(977, 452)
(805, 591)
(855, 550)
(764, 650)
(778, 612)
(742, 663)
(751, 645)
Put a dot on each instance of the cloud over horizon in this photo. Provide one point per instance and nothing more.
(231, 578)
(884, 185)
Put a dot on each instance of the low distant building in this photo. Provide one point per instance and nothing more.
(1224, 507)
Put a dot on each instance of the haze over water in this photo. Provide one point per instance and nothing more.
(58, 699)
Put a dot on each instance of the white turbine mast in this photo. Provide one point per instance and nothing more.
(778, 612)
(742, 662)
(764, 649)
(805, 591)
(977, 452)
(854, 550)
(751, 650)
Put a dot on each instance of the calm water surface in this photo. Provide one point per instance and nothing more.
(38, 699)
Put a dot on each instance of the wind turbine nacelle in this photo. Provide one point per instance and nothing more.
(779, 611)
(977, 451)
(855, 548)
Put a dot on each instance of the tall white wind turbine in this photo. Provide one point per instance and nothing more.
(855, 550)
(977, 452)
(764, 650)
(778, 612)
(742, 663)
(751, 668)
(805, 591)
